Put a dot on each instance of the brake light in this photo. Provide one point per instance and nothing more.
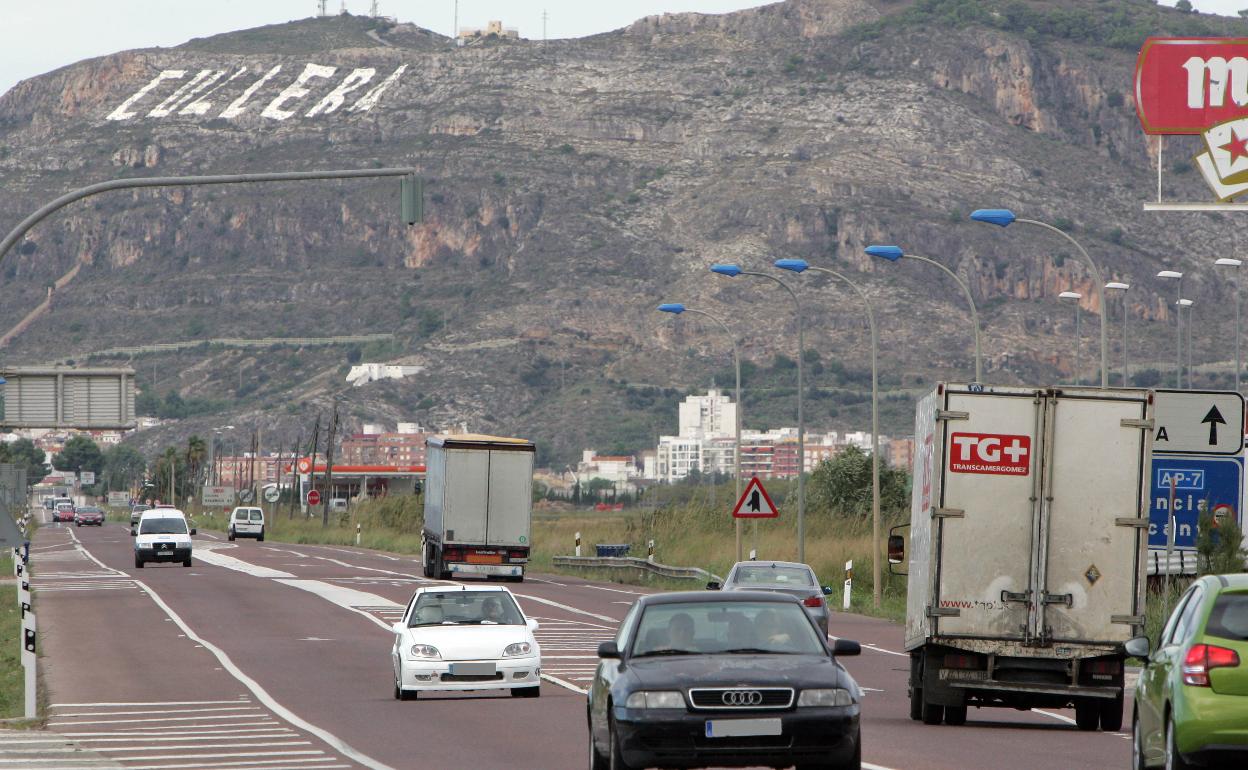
(1102, 666)
(1202, 659)
(812, 601)
(960, 661)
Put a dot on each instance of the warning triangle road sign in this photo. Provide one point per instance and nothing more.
(755, 503)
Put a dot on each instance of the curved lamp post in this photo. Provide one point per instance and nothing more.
(677, 308)
(1235, 263)
(895, 253)
(1122, 287)
(1005, 218)
(799, 266)
(1187, 303)
(1075, 297)
(732, 271)
(1178, 325)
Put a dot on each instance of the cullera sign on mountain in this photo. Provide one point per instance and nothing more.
(1199, 86)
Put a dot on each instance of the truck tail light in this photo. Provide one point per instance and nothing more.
(1203, 658)
(960, 661)
(1109, 667)
(812, 601)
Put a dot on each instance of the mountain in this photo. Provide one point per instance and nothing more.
(572, 186)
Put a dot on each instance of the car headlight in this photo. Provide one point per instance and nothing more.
(517, 649)
(655, 699)
(144, 545)
(830, 697)
(425, 651)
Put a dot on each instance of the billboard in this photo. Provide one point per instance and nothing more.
(68, 397)
(219, 497)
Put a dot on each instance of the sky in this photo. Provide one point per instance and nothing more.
(38, 36)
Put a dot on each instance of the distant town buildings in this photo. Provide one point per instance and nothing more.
(404, 446)
(493, 29)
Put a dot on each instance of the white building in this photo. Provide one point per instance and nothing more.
(618, 469)
(362, 374)
(708, 416)
(676, 456)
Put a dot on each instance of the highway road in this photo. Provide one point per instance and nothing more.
(272, 656)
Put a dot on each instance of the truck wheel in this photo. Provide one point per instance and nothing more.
(932, 715)
(955, 715)
(916, 703)
(1087, 715)
(439, 568)
(260, 539)
(1111, 714)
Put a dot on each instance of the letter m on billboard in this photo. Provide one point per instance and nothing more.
(1187, 85)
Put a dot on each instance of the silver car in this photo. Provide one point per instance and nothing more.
(785, 577)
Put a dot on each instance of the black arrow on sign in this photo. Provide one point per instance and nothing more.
(1213, 418)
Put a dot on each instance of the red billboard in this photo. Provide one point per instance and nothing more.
(1185, 85)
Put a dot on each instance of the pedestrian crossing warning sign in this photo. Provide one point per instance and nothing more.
(755, 503)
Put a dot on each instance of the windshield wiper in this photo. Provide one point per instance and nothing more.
(755, 650)
(668, 652)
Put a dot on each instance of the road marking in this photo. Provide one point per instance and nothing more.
(262, 695)
(1059, 717)
(348, 598)
(145, 719)
(228, 755)
(211, 556)
(285, 764)
(566, 607)
(164, 711)
(548, 582)
(197, 736)
(563, 683)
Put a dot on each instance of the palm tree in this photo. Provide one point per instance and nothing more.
(196, 450)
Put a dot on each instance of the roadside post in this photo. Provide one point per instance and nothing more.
(357, 534)
(849, 584)
(578, 543)
(29, 645)
(650, 551)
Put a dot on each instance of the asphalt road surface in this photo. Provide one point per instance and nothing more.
(273, 656)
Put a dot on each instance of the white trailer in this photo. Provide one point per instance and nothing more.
(478, 506)
(1028, 532)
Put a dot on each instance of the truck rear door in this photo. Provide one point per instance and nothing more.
(511, 479)
(466, 495)
(1096, 468)
(984, 517)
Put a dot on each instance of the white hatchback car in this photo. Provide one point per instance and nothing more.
(163, 535)
(456, 638)
(246, 522)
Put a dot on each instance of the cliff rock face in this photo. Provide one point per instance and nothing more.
(573, 186)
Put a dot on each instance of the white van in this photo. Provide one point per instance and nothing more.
(163, 535)
(246, 522)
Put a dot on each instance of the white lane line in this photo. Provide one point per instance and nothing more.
(548, 582)
(211, 556)
(1058, 717)
(266, 722)
(130, 738)
(270, 764)
(161, 711)
(220, 755)
(378, 554)
(78, 547)
(566, 607)
(869, 766)
(200, 747)
(348, 598)
(262, 695)
(149, 703)
(613, 590)
(189, 730)
(134, 721)
(833, 637)
(563, 683)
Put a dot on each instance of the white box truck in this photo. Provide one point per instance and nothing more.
(478, 506)
(1028, 532)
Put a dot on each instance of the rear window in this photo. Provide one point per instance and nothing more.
(1229, 618)
(759, 576)
(240, 515)
(257, 516)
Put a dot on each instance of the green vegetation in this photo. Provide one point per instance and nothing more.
(79, 454)
(24, 452)
(174, 407)
(1218, 545)
(1121, 24)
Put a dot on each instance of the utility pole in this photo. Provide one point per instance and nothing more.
(295, 489)
(329, 468)
(316, 446)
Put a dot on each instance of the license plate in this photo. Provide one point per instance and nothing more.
(474, 669)
(484, 558)
(735, 728)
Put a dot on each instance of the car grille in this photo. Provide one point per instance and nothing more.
(741, 697)
(472, 678)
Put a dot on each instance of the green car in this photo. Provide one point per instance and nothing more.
(1191, 700)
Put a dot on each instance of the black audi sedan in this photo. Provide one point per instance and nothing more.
(696, 679)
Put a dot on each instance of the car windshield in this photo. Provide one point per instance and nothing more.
(436, 608)
(169, 526)
(773, 575)
(1229, 618)
(89, 510)
(708, 628)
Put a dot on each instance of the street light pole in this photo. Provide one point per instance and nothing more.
(732, 271)
(1189, 304)
(798, 266)
(1235, 263)
(1005, 217)
(894, 253)
(1076, 296)
(1178, 325)
(677, 308)
(1120, 286)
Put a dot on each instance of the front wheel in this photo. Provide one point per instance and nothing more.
(597, 760)
(1087, 715)
(916, 703)
(186, 562)
(230, 536)
(1137, 744)
(138, 563)
(955, 715)
(526, 692)
(617, 756)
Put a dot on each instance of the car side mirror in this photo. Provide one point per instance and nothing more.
(714, 585)
(532, 624)
(133, 533)
(192, 530)
(827, 590)
(1138, 647)
(608, 650)
(846, 647)
(398, 627)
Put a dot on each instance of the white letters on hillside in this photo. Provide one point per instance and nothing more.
(205, 93)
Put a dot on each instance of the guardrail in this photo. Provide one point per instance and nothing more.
(634, 563)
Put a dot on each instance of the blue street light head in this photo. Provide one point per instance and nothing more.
(891, 253)
(999, 217)
(732, 271)
(796, 265)
(672, 307)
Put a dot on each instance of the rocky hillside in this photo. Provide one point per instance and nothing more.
(573, 186)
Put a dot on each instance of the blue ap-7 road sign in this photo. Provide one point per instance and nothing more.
(1199, 484)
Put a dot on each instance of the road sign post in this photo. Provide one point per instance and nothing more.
(314, 497)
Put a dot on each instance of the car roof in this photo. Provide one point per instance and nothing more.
(446, 588)
(1234, 582)
(163, 513)
(795, 564)
(679, 597)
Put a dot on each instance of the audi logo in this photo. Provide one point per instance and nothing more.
(742, 698)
